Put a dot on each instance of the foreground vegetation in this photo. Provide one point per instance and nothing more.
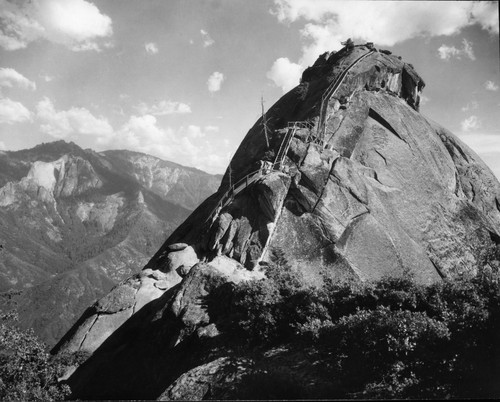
(391, 339)
(27, 371)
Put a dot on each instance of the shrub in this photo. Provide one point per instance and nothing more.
(252, 315)
(390, 339)
(26, 370)
(381, 353)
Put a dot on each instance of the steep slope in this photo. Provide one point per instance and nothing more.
(73, 223)
(355, 185)
(52, 306)
(172, 182)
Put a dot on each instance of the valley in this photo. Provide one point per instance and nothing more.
(75, 222)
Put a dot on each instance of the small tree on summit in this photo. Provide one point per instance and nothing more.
(349, 44)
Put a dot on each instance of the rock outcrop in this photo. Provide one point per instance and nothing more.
(65, 177)
(385, 192)
(362, 187)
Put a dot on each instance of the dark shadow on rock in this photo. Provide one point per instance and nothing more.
(139, 360)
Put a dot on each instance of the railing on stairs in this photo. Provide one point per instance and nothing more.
(292, 127)
(264, 170)
(238, 187)
(330, 91)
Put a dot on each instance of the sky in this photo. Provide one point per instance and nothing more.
(183, 79)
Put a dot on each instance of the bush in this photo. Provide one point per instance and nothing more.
(391, 339)
(26, 370)
(383, 353)
(252, 311)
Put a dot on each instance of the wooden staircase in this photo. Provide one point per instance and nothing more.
(264, 170)
(291, 129)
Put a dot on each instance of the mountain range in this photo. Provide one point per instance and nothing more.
(75, 222)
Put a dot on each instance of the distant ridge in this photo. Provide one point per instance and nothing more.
(74, 222)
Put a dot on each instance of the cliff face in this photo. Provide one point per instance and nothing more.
(355, 184)
(385, 192)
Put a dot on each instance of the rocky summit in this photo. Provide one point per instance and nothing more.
(343, 178)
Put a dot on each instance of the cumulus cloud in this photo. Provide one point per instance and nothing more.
(327, 23)
(18, 25)
(189, 145)
(13, 112)
(140, 132)
(76, 24)
(285, 74)
(472, 105)
(388, 22)
(10, 78)
(207, 40)
(485, 13)
(2, 146)
(215, 81)
(491, 86)
(164, 107)
(64, 123)
(151, 48)
(471, 123)
(467, 49)
(447, 52)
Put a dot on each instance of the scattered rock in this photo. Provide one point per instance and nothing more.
(198, 382)
(185, 256)
(209, 331)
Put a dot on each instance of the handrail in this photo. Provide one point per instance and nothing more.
(292, 127)
(300, 124)
(244, 182)
(330, 91)
(283, 149)
(236, 188)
